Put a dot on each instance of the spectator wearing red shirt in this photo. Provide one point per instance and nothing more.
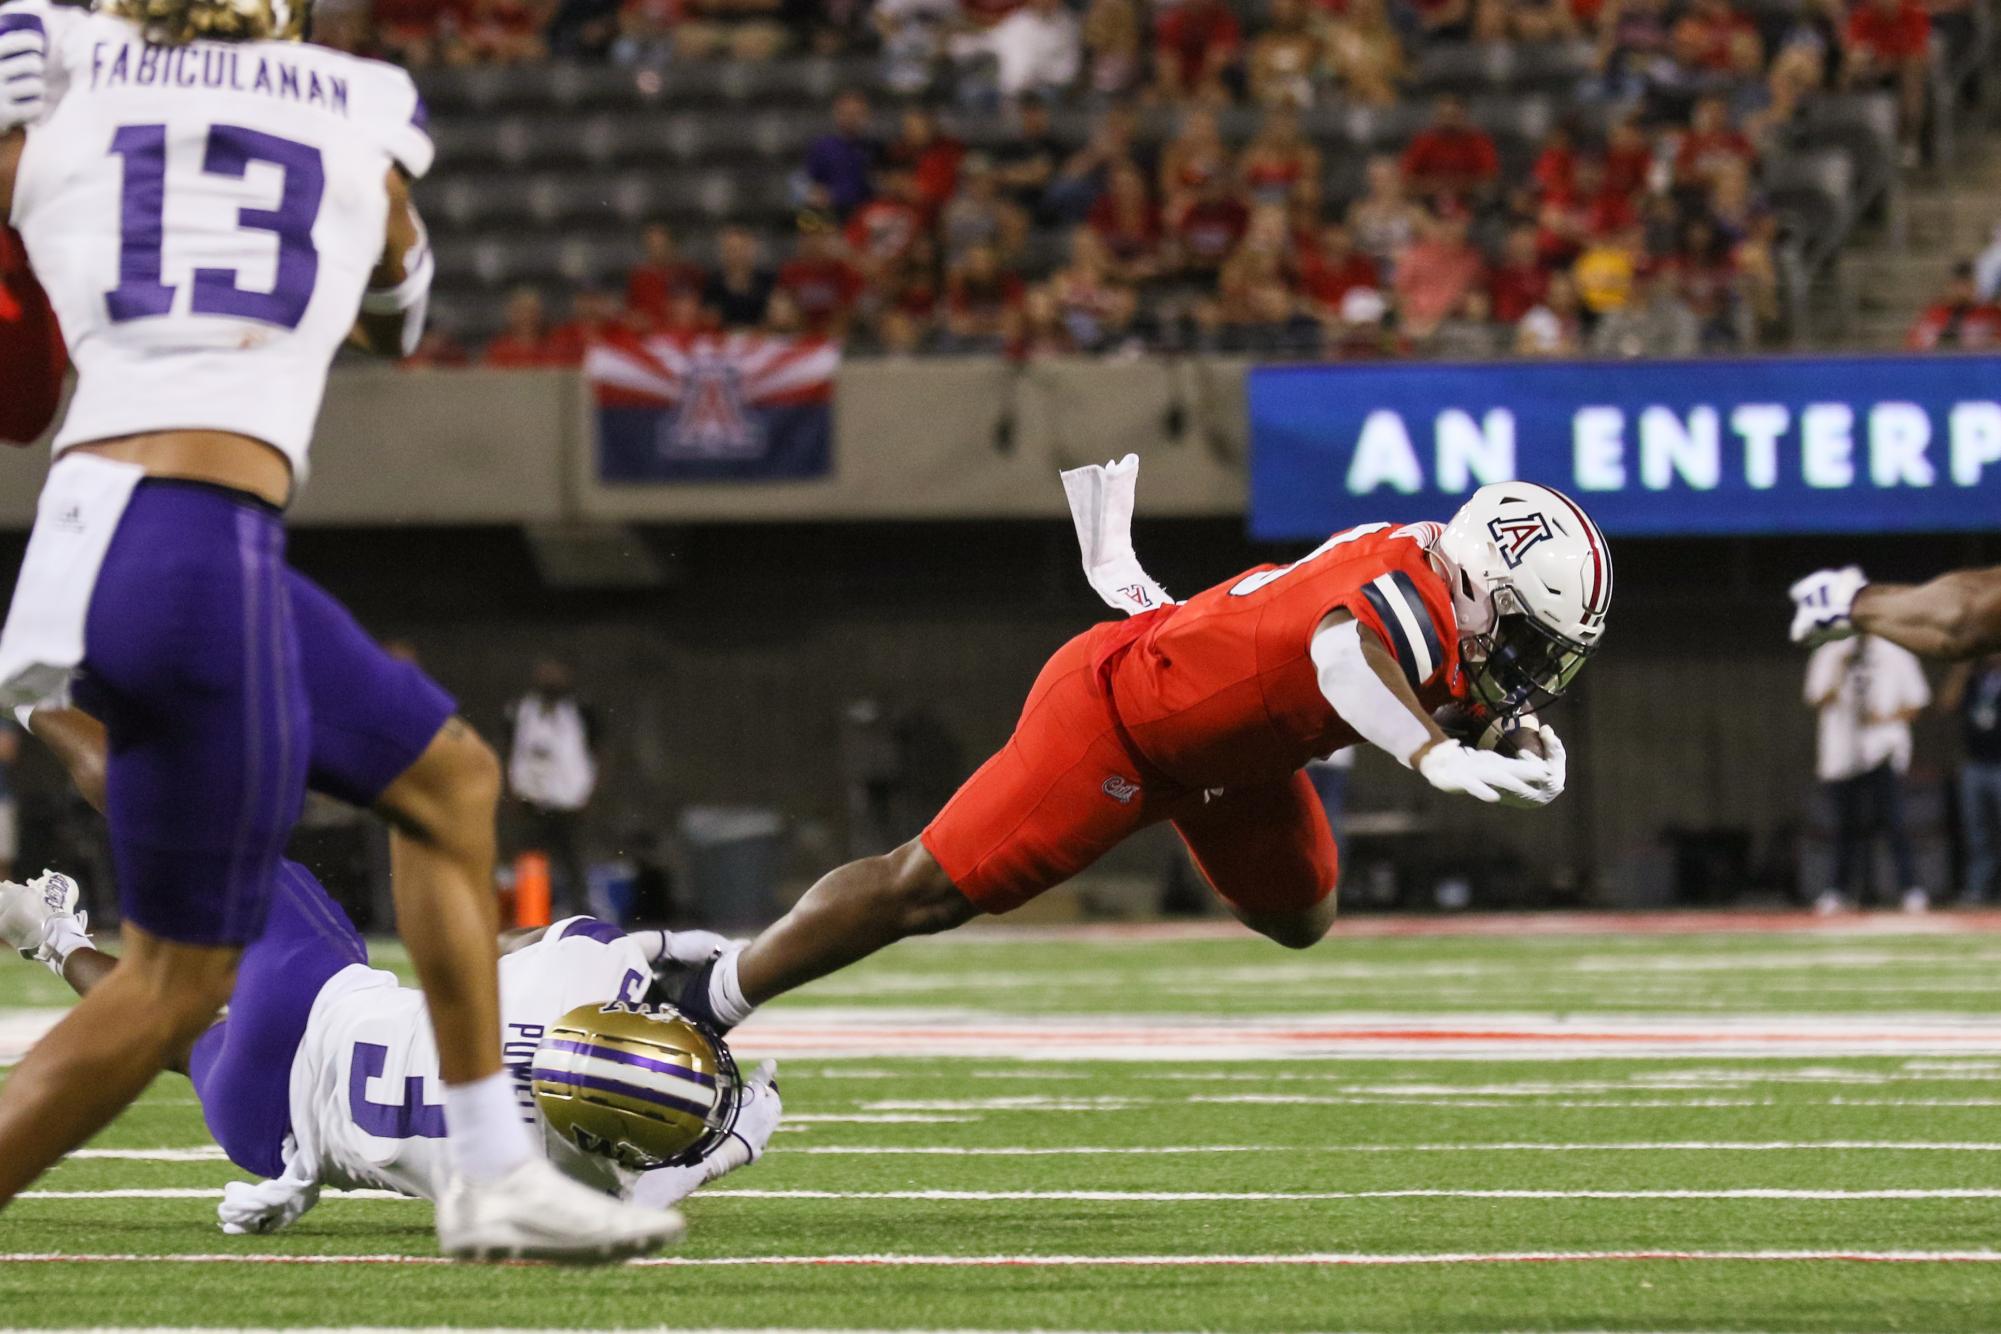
(31, 348)
(524, 343)
(1435, 274)
(1889, 42)
(1629, 158)
(882, 231)
(1125, 220)
(1195, 43)
(409, 30)
(595, 318)
(1587, 211)
(659, 277)
(1209, 225)
(1556, 163)
(1712, 146)
(981, 296)
(1716, 39)
(1334, 268)
(1519, 282)
(818, 280)
(1958, 319)
(932, 158)
(498, 32)
(1453, 158)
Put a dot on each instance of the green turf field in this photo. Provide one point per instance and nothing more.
(1569, 1132)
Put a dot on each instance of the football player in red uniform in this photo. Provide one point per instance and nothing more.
(1956, 616)
(31, 348)
(1203, 714)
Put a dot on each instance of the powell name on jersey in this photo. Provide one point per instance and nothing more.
(205, 219)
(367, 1102)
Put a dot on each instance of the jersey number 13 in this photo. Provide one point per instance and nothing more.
(141, 293)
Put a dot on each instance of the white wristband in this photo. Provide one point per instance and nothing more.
(23, 714)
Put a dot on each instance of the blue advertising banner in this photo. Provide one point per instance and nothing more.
(1778, 445)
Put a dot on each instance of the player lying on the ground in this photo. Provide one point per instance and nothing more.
(1204, 713)
(1956, 615)
(324, 1071)
(212, 206)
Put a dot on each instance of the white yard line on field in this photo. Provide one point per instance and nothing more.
(891, 1260)
(1154, 1196)
(1179, 1150)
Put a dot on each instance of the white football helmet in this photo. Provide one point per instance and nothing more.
(1531, 580)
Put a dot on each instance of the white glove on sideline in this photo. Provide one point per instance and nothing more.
(1486, 776)
(1823, 603)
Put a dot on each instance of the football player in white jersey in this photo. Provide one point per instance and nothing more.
(325, 1074)
(213, 207)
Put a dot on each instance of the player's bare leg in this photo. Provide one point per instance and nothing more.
(508, 1201)
(441, 863)
(849, 914)
(104, 1053)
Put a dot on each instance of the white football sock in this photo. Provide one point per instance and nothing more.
(726, 1000)
(483, 1125)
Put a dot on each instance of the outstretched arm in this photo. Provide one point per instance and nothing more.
(1956, 615)
(1363, 682)
(78, 741)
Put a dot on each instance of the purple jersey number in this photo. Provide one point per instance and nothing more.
(231, 149)
(413, 1118)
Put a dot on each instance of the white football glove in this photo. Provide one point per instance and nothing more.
(1556, 764)
(40, 919)
(756, 1122)
(24, 59)
(1823, 603)
(1486, 776)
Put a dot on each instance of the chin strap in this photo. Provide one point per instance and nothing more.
(1101, 506)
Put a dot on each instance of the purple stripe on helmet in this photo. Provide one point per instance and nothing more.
(421, 116)
(623, 1090)
(590, 928)
(23, 23)
(617, 1057)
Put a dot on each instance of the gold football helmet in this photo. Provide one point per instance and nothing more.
(178, 22)
(643, 1085)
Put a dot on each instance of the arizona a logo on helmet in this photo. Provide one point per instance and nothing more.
(1516, 534)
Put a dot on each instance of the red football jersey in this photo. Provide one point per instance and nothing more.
(1221, 690)
(33, 360)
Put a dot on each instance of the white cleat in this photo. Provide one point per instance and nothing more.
(26, 911)
(537, 1213)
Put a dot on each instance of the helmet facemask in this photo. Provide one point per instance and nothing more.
(1519, 665)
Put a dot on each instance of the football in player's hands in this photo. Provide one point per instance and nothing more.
(1482, 731)
(1520, 739)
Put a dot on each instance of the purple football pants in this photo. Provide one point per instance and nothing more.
(229, 683)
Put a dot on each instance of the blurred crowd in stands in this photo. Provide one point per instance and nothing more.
(1648, 238)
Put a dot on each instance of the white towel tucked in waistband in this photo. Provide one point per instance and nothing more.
(1101, 505)
(81, 504)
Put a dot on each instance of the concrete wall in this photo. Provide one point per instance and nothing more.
(913, 440)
